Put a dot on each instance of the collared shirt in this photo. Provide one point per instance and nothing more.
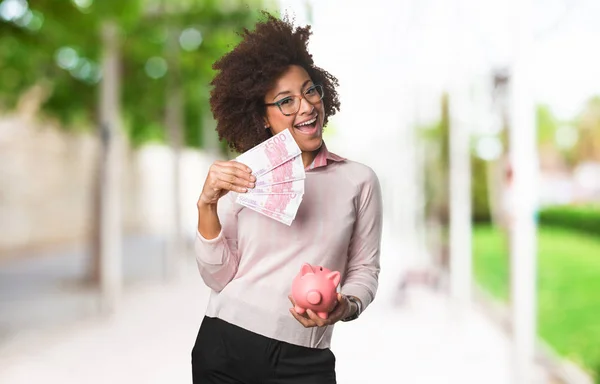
(323, 156)
(251, 264)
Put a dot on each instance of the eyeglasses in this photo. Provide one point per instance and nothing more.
(290, 105)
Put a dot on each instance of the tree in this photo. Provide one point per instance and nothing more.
(437, 204)
(59, 45)
(588, 127)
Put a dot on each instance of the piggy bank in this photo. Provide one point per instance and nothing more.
(314, 288)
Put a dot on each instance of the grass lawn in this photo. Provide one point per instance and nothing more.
(568, 288)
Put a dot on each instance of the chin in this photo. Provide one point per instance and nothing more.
(309, 138)
(310, 145)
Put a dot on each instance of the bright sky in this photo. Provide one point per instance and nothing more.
(569, 59)
(566, 55)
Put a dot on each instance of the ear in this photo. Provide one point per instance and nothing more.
(266, 124)
(306, 269)
(335, 277)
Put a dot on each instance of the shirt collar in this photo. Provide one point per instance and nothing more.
(323, 158)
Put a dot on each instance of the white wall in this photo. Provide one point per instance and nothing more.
(46, 185)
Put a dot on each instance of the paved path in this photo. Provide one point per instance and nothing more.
(424, 340)
(45, 290)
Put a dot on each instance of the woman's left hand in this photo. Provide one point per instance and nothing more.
(311, 319)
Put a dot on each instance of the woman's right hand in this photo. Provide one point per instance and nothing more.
(225, 176)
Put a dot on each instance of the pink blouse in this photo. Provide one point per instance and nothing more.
(250, 265)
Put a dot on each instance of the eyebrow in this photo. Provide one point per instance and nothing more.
(286, 92)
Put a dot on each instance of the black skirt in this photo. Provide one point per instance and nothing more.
(226, 354)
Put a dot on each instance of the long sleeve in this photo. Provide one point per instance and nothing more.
(218, 258)
(252, 263)
(362, 272)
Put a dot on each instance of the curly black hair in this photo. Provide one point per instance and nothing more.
(247, 72)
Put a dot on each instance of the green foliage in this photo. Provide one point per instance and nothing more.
(568, 286)
(581, 218)
(480, 204)
(30, 56)
(150, 39)
(437, 141)
(490, 260)
(547, 124)
(588, 128)
(27, 57)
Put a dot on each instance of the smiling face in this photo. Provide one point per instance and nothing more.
(306, 125)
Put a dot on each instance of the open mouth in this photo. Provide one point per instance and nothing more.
(308, 127)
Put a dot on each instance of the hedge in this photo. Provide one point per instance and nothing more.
(582, 218)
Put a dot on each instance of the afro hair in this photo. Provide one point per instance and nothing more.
(249, 70)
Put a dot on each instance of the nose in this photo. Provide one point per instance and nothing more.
(313, 297)
(306, 108)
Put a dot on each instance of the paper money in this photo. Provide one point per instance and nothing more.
(284, 204)
(295, 187)
(271, 153)
(279, 170)
(272, 215)
(290, 171)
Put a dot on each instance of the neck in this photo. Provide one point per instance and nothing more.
(308, 157)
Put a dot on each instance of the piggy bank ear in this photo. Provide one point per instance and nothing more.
(306, 269)
(334, 277)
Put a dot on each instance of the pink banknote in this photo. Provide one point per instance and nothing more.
(270, 153)
(289, 171)
(296, 187)
(285, 204)
(273, 215)
(279, 170)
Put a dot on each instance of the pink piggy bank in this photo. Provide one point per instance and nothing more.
(314, 288)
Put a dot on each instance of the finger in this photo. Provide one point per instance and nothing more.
(232, 181)
(307, 323)
(235, 177)
(232, 163)
(233, 169)
(315, 318)
(340, 308)
(229, 178)
(229, 186)
(340, 300)
(227, 171)
(304, 315)
(338, 312)
(242, 167)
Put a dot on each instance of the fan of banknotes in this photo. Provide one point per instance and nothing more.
(277, 165)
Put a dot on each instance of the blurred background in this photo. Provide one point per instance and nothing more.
(481, 119)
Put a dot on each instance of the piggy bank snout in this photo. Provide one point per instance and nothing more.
(314, 297)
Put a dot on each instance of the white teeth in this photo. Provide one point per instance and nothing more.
(309, 122)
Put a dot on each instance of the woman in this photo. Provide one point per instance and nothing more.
(251, 333)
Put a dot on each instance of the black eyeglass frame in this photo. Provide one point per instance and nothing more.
(302, 96)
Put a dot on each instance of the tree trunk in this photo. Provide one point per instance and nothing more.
(174, 119)
(105, 267)
(460, 231)
(523, 157)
